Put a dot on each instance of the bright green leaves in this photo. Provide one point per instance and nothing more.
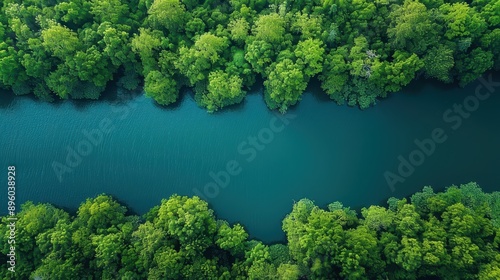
(464, 252)
(86, 66)
(37, 62)
(195, 27)
(354, 75)
(360, 254)
(82, 71)
(117, 44)
(288, 77)
(160, 87)
(231, 239)
(462, 21)
(363, 49)
(148, 241)
(308, 26)
(147, 45)
(76, 11)
(335, 74)
(239, 29)
(408, 221)
(223, 90)
(491, 12)
(100, 212)
(285, 85)
(188, 220)
(310, 55)
(108, 250)
(32, 221)
(209, 47)
(258, 260)
(269, 28)
(60, 82)
(168, 14)
(402, 70)
(288, 272)
(412, 27)
(410, 254)
(60, 41)
(491, 270)
(447, 235)
(91, 65)
(322, 241)
(113, 11)
(434, 253)
(94, 240)
(378, 218)
(262, 51)
(405, 241)
(360, 62)
(195, 62)
(460, 220)
(169, 264)
(362, 15)
(314, 237)
(260, 55)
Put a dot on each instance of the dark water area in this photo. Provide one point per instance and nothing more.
(249, 163)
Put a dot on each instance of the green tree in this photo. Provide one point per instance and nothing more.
(32, 221)
(310, 55)
(239, 29)
(335, 74)
(147, 45)
(189, 221)
(411, 28)
(231, 239)
(378, 218)
(160, 87)
(60, 41)
(260, 54)
(285, 85)
(438, 63)
(269, 28)
(113, 11)
(462, 21)
(169, 14)
(471, 65)
(223, 90)
(196, 62)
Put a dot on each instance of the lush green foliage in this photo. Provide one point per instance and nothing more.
(360, 50)
(451, 235)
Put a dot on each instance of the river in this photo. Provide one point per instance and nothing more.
(249, 163)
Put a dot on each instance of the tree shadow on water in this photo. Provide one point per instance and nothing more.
(112, 95)
(184, 94)
(314, 88)
(187, 94)
(7, 99)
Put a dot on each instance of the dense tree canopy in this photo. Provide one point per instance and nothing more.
(360, 50)
(453, 234)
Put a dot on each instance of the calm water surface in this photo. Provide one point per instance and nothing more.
(325, 152)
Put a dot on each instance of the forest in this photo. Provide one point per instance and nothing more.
(359, 50)
(454, 234)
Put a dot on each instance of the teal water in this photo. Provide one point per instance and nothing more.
(325, 152)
